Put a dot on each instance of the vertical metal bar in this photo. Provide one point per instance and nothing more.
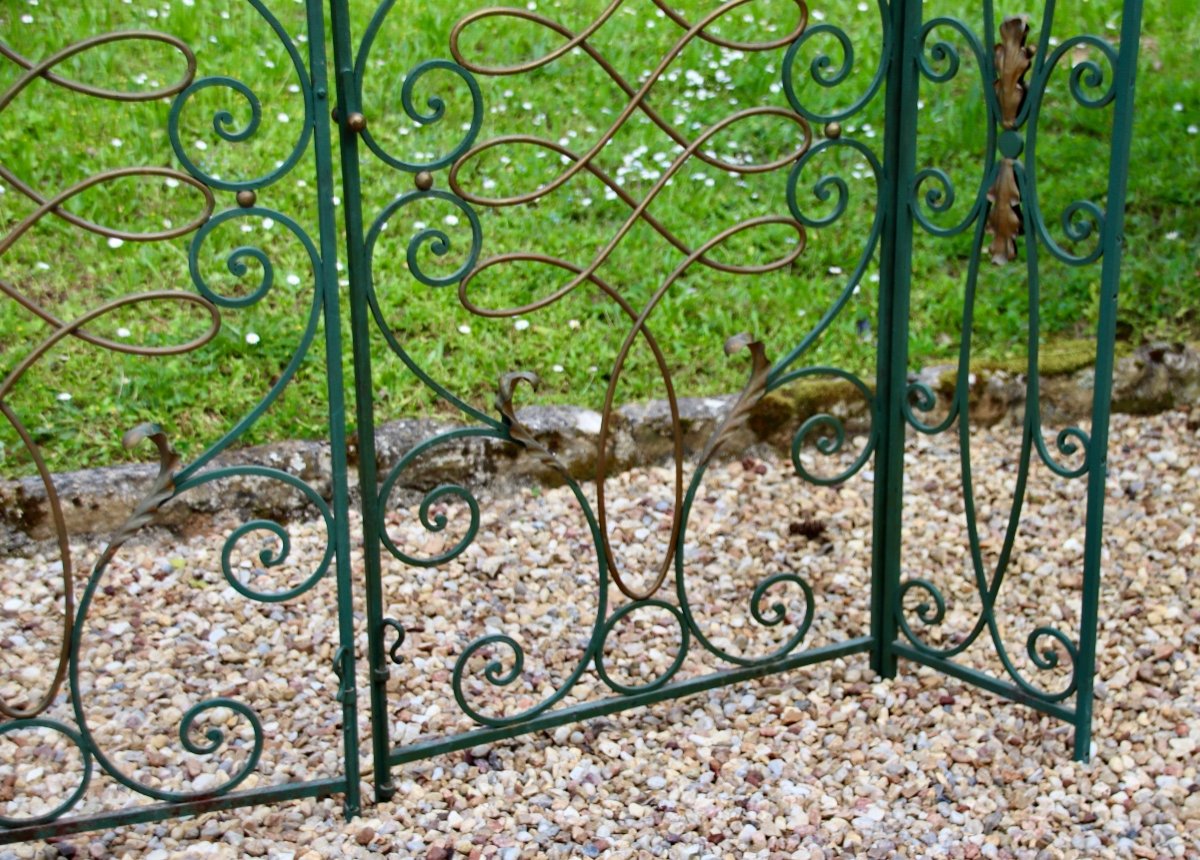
(1110, 282)
(358, 273)
(900, 144)
(327, 219)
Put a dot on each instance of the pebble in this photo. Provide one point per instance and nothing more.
(820, 762)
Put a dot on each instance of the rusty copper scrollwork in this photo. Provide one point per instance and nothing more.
(694, 147)
(55, 205)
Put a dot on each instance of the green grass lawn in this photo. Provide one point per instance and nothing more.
(78, 399)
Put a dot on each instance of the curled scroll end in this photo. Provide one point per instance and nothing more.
(160, 491)
(506, 389)
(517, 431)
(755, 390)
(758, 352)
(394, 652)
(148, 430)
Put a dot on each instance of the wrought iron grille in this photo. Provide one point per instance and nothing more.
(830, 89)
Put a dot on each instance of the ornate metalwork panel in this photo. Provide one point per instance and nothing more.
(765, 176)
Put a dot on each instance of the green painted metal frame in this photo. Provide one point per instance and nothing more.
(896, 405)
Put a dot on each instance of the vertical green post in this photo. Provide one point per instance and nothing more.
(899, 165)
(335, 385)
(358, 271)
(1113, 240)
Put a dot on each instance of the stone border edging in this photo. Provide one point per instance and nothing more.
(1153, 378)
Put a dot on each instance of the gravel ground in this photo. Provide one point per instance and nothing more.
(825, 761)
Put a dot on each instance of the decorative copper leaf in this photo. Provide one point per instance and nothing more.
(1004, 218)
(1013, 59)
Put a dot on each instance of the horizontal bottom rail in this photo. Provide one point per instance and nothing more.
(988, 682)
(160, 811)
(587, 710)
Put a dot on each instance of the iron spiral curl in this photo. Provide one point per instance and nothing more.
(831, 186)
(237, 263)
(495, 673)
(225, 124)
(436, 104)
(1081, 219)
(921, 398)
(828, 75)
(268, 558)
(664, 676)
(834, 439)
(933, 191)
(164, 488)
(74, 739)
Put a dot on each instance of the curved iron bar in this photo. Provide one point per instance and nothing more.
(436, 105)
(440, 522)
(611, 184)
(41, 68)
(987, 586)
(236, 265)
(606, 252)
(823, 190)
(941, 198)
(1082, 218)
(494, 672)
(637, 96)
(223, 121)
(437, 110)
(677, 452)
(52, 205)
(920, 398)
(607, 410)
(1070, 439)
(62, 332)
(68, 573)
(74, 738)
(819, 69)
